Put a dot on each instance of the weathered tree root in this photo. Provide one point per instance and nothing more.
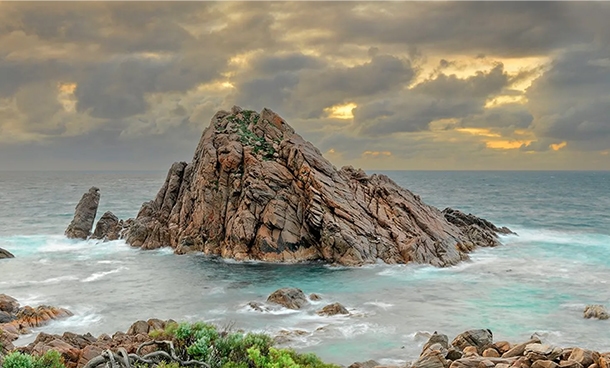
(121, 359)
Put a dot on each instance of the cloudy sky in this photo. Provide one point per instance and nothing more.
(378, 85)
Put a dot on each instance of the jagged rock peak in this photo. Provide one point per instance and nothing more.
(257, 190)
(84, 215)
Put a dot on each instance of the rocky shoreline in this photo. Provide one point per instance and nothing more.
(470, 349)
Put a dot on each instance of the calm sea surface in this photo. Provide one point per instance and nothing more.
(538, 282)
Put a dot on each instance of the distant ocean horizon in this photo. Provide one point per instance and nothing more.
(537, 282)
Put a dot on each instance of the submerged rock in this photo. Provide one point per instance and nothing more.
(256, 190)
(596, 311)
(5, 254)
(84, 215)
(291, 298)
(333, 309)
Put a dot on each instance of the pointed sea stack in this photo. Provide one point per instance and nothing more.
(84, 215)
(256, 190)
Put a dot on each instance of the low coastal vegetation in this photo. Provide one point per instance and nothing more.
(50, 359)
(198, 345)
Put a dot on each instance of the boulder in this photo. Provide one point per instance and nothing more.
(84, 215)
(434, 339)
(490, 353)
(29, 317)
(502, 346)
(108, 227)
(291, 298)
(257, 306)
(367, 364)
(569, 364)
(538, 351)
(8, 304)
(333, 309)
(544, 364)
(583, 356)
(138, 327)
(433, 359)
(481, 339)
(596, 311)
(256, 190)
(518, 349)
(315, 297)
(5, 254)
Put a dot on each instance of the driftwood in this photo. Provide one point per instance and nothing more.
(121, 359)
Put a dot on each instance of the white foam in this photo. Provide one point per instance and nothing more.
(99, 275)
(382, 305)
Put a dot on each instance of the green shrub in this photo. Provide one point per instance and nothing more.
(50, 359)
(18, 360)
(203, 342)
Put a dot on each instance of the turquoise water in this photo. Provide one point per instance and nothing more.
(537, 282)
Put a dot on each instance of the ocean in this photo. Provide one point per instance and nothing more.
(536, 282)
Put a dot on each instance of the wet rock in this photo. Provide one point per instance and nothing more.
(502, 346)
(481, 339)
(108, 227)
(5, 254)
(596, 311)
(256, 190)
(315, 297)
(367, 364)
(291, 298)
(259, 307)
(536, 352)
(8, 304)
(28, 317)
(84, 215)
(333, 309)
(432, 359)
(441, 339)
(518, 349)
(583, 356)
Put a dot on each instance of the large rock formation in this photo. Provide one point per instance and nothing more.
(256, 190)
(84, 215)
(5, 254)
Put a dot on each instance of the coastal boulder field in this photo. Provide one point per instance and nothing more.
(256, 190)
(16, 320)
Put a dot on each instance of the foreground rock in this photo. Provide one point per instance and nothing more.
(84, 215)
(256, 190)
(476, 349)
(596, 311)
(5, 254)
(16, 320)
(78, 350)
(291, 298)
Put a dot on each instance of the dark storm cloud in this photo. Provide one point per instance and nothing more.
(571, 100)
(153, 72)
(499, 28)
(441, 97)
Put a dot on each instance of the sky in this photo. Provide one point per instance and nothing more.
(378, 85)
